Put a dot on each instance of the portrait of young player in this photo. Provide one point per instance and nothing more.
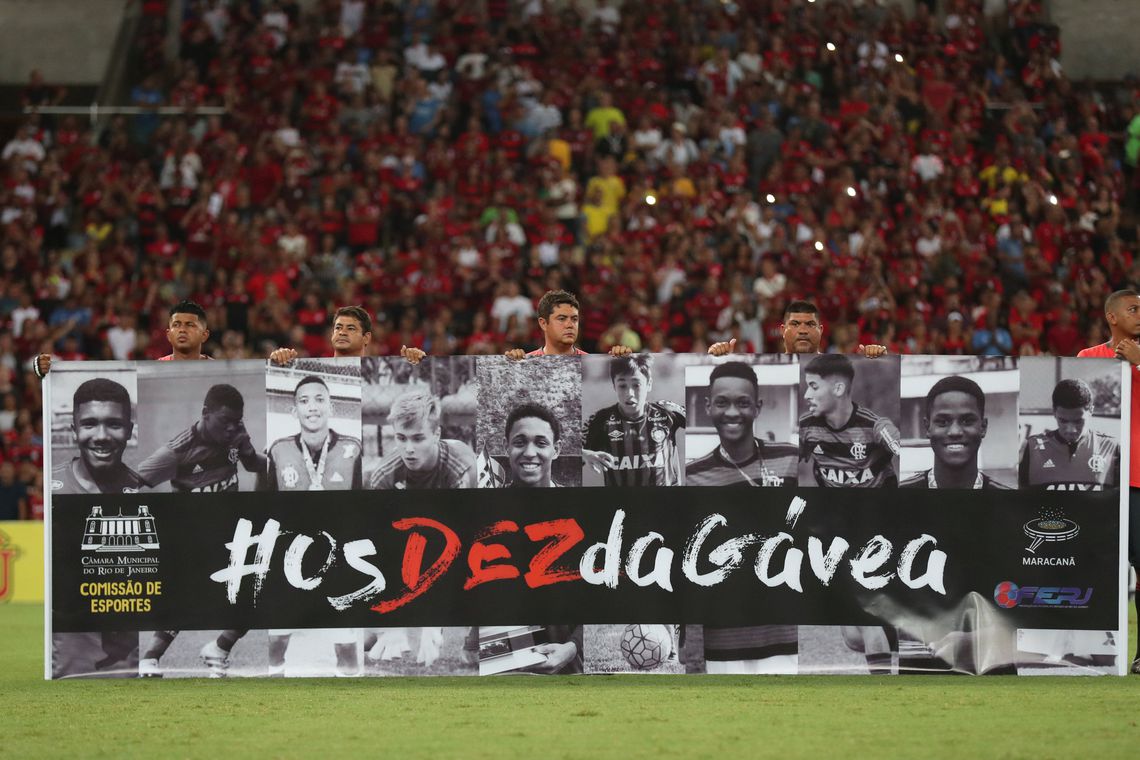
(637, 438)
(959, 422)
(314, 423)
(218, 439)
(95, 442)
(528, 428)
(1072, 430)
(746, 428)
(848, 437)
(419, 423)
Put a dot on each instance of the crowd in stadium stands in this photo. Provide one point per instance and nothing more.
(934, 182)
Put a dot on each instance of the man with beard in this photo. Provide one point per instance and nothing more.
(203, 458)
(1073, 457)
(634, 442)
(317, 458)
(955, 423)
(101, 421)
(421, 458)
(741, 459)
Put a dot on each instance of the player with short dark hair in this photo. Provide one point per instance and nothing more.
(186, 331)
(634, 442)
(203, 458)
(422, 459)
(317, 458)
(1073, 457)
(955, 423)
(101, 421)
(848, 445)
(534, 440)
(733, 403)
(350, 336)
(1122, 313)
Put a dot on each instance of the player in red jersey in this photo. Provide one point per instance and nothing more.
(1122, 312)
(186, 331)
(350, 336)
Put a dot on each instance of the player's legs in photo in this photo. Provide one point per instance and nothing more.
(160, 641)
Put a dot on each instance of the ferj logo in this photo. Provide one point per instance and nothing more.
(1008, 595)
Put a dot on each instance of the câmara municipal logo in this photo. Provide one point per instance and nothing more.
(120, 533)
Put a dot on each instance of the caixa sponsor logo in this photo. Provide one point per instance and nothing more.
(1008, 594)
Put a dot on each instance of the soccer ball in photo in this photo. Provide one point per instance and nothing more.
(646, 646)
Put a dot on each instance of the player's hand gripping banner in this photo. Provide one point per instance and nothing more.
(664, 513)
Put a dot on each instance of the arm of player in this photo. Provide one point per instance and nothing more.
(268, 481)
(515, 354)
(283, 355)
(620, 350)
(41, 365)
(1128, 350)
(159, 467)
(358, 475)
(723, 348)
(889, 435)
(593, 445)
(413, 354)
(251, 459)
(558, 656)
(872, 350)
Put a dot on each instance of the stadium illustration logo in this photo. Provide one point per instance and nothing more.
(1008, 595)
(8, 555)
(1051, 528)
(120, 533)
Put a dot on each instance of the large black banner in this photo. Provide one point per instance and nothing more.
(742, 515)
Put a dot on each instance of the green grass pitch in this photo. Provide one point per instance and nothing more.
(596, 716)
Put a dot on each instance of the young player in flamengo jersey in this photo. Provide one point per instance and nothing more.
(1072, 457)
(203, 458)
(421, 458)
(955, 423)
(848, 446)
(1122, 313)
(741, 459)
(101, 421)
(634, 442)
(318, 458)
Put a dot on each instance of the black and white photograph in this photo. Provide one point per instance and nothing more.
(959, 422)
(94, 429)
(848, 424)
(419, 422)
(634, 431)
(643, 648)
(316, 652)
(1070, 424)
(1066, 652)
(198, 434)
(751, 649)
(531, 650)
(313, 423)
(846, 650)
(430, 651)
(742, 421)
(203, 654)
(529, 425)
(107, 654)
